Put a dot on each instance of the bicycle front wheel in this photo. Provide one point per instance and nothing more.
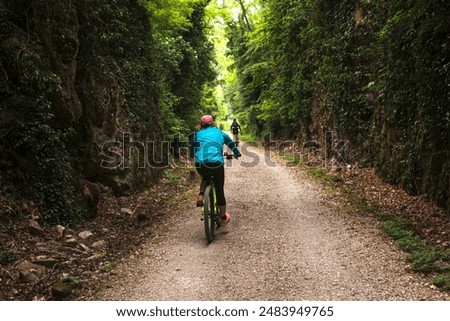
(208, 214)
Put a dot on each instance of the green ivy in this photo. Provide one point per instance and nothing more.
(52, 181)
(376, 73)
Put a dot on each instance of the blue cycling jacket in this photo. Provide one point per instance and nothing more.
(207, 146)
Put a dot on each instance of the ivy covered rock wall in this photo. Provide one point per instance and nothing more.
(74, 75)
(383, 75)
(376, 73)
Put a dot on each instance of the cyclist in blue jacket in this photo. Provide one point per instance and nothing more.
(207, 148)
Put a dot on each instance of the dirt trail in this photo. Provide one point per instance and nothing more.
(283, 243)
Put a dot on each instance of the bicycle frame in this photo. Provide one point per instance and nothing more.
(210, 211)
(212, 188)
(216, 207)
(210, 208)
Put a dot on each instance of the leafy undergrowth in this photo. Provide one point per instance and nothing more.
(122, 226)
(249, 139)
(423, 258)
(419, 227)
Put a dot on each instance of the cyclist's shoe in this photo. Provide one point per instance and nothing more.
(199, 200)
(224, 221)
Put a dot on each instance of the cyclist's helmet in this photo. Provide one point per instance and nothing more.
(207, 120)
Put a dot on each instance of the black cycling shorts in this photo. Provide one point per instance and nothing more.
(217, 170)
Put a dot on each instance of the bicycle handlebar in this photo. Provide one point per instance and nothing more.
(230, 156)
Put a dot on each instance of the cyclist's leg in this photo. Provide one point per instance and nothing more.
(203, 185)
(236, 135)
(204, 173)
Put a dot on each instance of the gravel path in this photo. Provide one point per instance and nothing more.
(283, 243)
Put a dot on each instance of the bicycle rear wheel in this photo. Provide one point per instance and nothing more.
(208, 214)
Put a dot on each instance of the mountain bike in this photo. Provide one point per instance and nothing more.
(210, 211)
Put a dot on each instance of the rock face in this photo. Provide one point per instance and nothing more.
(60, 68)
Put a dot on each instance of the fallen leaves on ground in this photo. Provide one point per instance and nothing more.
(35, 261)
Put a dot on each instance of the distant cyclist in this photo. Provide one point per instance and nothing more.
(235, 130)
(207, 148)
